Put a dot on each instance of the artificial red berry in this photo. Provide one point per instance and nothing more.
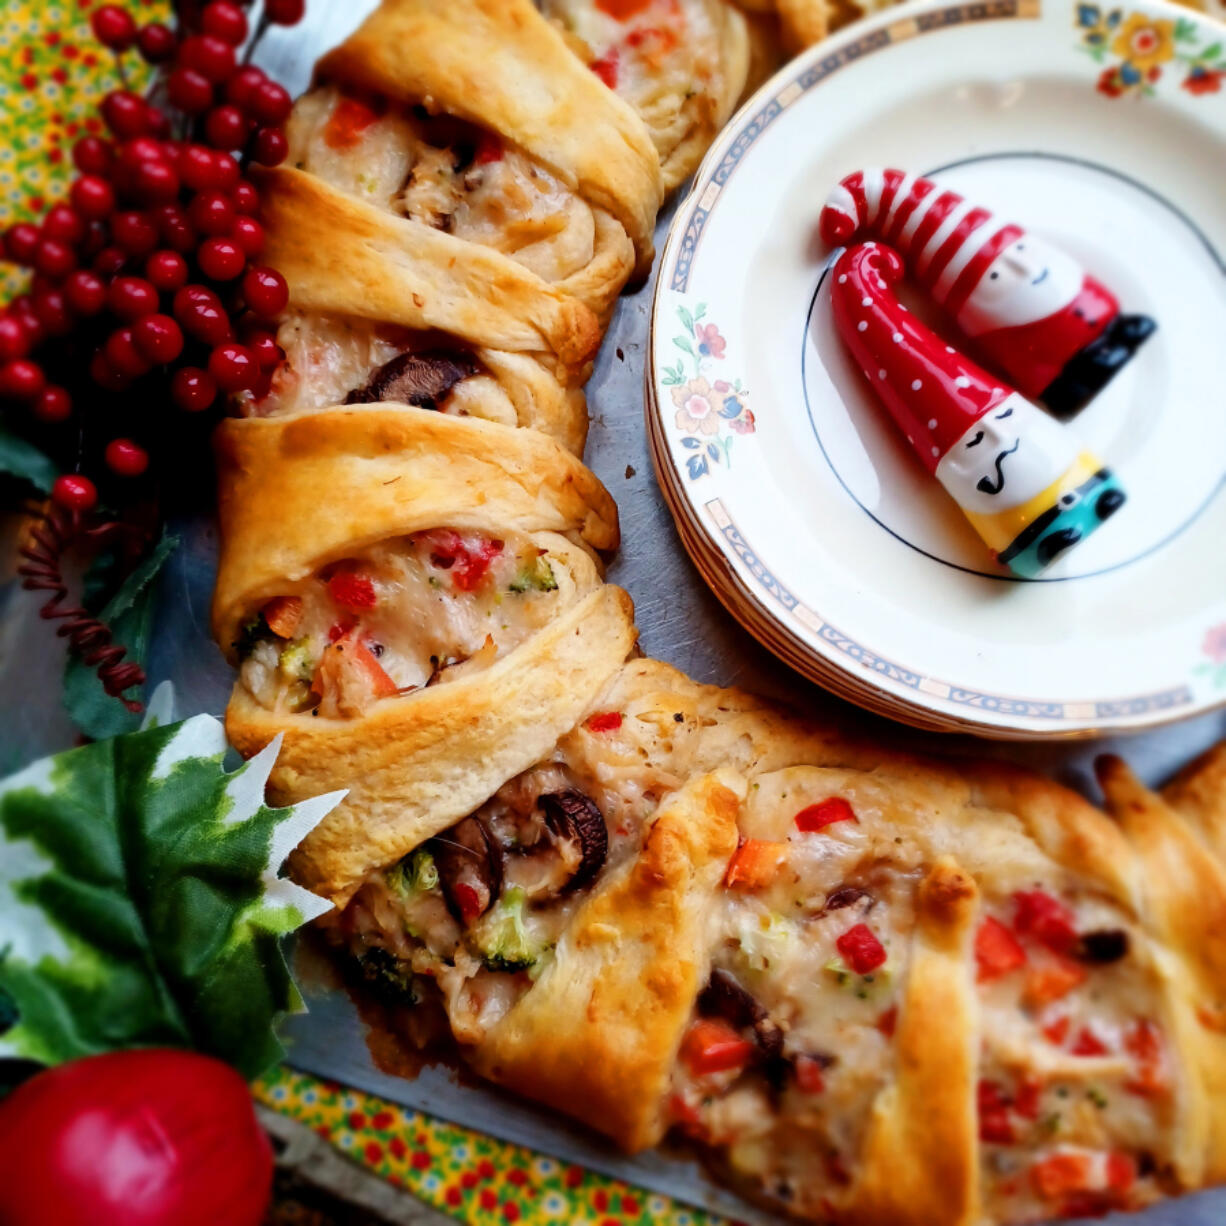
(155, 183)
(285, 12)
(134, 232)
(211, 57)
(198, 169)
(158, 337)
(156, 42)
(113, 27)
(92, 196)
(21, 242)
(64, 223)
(243, 83)
(226, 127)
(200, 312)
(105, 375)
(21, 379)
(270, 103)
(175, 227)
(269, 146)
(166, 270)
(192, 389)
(126, 458)
(85, 292)
(268, 354)
(140, 149)
(75, 492)
(246, 198)
(265, 292)
(109, 261)
(248, 234)
(233, 367)
(225, 170)
(221, 259)
(53, 405)
(14, 342)
(54, 258)
(212, 213)
(131, 297)
(126, 113)
(91, 155)
(158, 122)
(123, 356)
(189, 90)
(225, 20)
(51, 307)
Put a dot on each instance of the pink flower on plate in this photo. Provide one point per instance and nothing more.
(710, 343)
(696, 408)
(1214, 645)
(744, 424)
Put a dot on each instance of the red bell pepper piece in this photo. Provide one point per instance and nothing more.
(1087, 1043)
(1052, 981)
(861, 950)
(1144, 1042)
(809, 1075)
(995, 1127)
(825, 813)
(353, 591)
(1060, 1175)
(997, 950)
(712, 1046)
(605, 721)
(606, 68)
(1045, 919)
(347, 123)
(622, 10)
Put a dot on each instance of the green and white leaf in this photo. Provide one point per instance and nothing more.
(141, 902)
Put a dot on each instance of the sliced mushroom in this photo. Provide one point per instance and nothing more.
(469, 864)
(422, 379)
(845, 896)
(725, 998)
(574, 816)
(1103, 946)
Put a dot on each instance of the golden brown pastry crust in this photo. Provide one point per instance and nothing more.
(299, 491)
(624, 976)
(500, 64)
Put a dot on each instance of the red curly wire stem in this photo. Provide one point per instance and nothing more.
(56, 530)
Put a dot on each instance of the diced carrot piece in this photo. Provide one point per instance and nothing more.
(1046, 920)
(283, 615)
(1060, 1174)
(1052, 981)
(350, 676)
(825, 813)
(712, 1046)
(1144, 1042)
(754, 864)
(997, 950)
(1121, 1172)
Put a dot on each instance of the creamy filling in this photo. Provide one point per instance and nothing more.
(446, 174)
(422, 610)
(662, 56)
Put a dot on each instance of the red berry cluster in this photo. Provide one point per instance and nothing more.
(146, 277)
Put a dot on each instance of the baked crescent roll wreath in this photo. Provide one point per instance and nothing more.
(872, 989)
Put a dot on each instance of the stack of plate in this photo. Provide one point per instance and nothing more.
(796, 496)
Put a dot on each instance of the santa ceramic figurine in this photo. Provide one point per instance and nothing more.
(1023, 480)
(1029, 308)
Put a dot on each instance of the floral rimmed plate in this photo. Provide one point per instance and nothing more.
(1096, 127)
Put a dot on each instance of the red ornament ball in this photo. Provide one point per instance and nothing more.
(113, 27)
(126, 458)
(75, 492)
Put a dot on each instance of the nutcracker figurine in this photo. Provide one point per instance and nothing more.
(1029, 308)
(1028, 487)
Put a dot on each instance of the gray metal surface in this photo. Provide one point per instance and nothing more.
(681, 622)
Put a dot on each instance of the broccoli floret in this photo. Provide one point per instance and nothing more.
(253, 633)
(416, 873)
(535, 576)
(296, 662)
(389, 980)
(504, 943)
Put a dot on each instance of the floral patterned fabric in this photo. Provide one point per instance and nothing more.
(471, 1177)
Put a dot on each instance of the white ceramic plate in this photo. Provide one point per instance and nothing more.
(1102, 129)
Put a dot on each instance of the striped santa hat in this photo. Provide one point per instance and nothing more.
(932, 391)
(948, 242)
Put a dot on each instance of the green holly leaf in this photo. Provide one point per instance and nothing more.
(129, 614)
(141, 903)
(23, 460)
